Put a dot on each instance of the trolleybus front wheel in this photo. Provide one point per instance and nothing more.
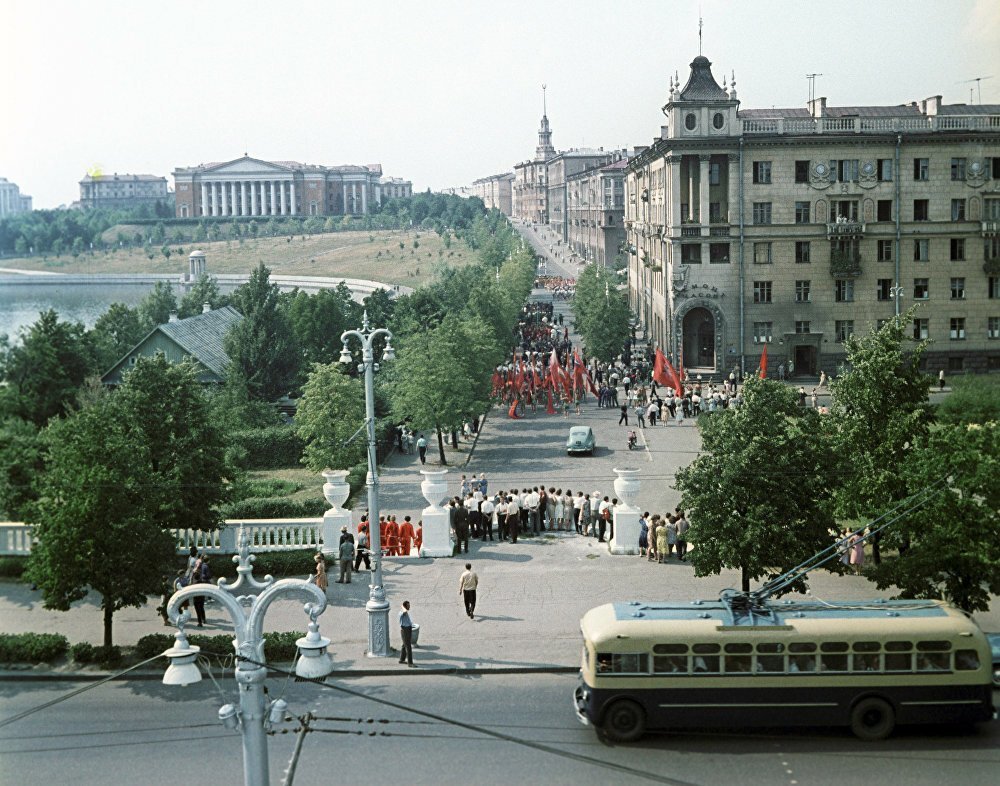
(872, 719)
(624, 721)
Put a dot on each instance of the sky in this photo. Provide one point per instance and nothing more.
(439, 92)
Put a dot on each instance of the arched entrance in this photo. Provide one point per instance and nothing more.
(699, 338)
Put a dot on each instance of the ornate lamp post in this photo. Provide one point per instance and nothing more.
(896, 293)
(377, 606)
(253, 717)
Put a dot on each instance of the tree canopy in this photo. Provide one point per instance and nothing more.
(330, 412)
(601, 313)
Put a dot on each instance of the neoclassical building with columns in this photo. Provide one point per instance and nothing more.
(252, 187)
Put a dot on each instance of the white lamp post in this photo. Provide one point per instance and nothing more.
(377, 606)
(253, 717)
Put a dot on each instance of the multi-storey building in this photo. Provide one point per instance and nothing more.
(394, 188)
(595, 212)
(495, 191)
(529, 197)
(558, 169)
(252, 187)
(12, 201)
(794, 228)
(122, 191)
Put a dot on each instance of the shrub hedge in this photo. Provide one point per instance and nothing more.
(248, 488)
(12, 567)
(278, 647)
(280, 564)
(273, 447)
(85, 653)
(32, 647)
(274, 508)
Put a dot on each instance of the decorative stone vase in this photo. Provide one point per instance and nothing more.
(627, 486)
(336, 489)
(434, 486)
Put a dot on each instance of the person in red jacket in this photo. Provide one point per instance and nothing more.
(392, 537)
(383, 537)
(405, 536)
(418, 537)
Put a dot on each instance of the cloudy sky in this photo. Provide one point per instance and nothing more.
(438, 91)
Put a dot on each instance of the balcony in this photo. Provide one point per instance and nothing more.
(844, 264)
(691, 231)
(845, 229)
(991, 228)
(991, 267)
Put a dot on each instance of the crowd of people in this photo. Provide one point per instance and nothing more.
(561, 287)
(660, 537)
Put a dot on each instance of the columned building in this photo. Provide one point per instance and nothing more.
(794, 228)
(595, 212)
(122, 191)
(252, 187)
(12, 201)
(529, 196)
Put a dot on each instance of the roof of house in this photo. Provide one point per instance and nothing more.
(701, 85)
(201, 336)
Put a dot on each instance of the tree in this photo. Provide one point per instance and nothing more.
(880, 411)
(205, 290)
(317, 322)
(119, 474)
(116, 331)
(949, 546)
(759, 496)
(601, 313)
(330, 412)
(261, 347)
(20, 462)
(973, 399)
(156, 308)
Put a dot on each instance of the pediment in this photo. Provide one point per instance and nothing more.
(246, 165)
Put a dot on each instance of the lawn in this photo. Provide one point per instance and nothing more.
(376, 255)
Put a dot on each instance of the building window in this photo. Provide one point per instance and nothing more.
(714, 174)
(714, 212)
(762, 253)
(956, 364)
(801, 212)
(956, 330)
(884, 170)
(921, 289)
(883, 210)
(845, 170)
(957, 249)
(718, 253)
(761, 291)
(802, 251)
(802, 294)
(762, 212)
(920, 330)
(843, 290)
(993, 287)
(921, 168)
(843, 328)
(993, 327)
(921, 209)
(762, 172)
(883, 288)
(958, 169)
(802, 326)
(801, 171)
(844, 210)
(691, 254)
(921, 250)
(991, 248)
(885, 251)
(762, 332)
(958, 289)
(958, 210)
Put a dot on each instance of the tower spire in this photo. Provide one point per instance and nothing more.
(699, 32)
(544, 104)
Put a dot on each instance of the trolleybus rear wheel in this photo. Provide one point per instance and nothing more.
(872, 719)
(624, 721)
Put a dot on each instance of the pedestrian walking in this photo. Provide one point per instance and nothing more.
(346, 560)
(422, 449)
(165, 591)
(406, 635)
(604, 518)
(363, 550)
(941, 379)
(321, 580)
(467, 585)
(200, 574)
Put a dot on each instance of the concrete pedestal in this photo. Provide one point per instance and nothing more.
(333, 520)
(626, 539)
(437, 533)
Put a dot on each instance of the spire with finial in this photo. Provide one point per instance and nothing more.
(699, 31)
(544, 151)
(544, 104)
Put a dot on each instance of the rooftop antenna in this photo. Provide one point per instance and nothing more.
(699, 32)
(544, 104)
(979, 86)
(812, 87)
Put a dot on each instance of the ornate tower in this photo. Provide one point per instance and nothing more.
(545, 150)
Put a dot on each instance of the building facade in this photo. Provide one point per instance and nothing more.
(393, 188)
(559, 169)
(252, 187)
(122, 191)
(529, 195)
(595, 213)
(794, 228)
(12, 201)
(495, 191)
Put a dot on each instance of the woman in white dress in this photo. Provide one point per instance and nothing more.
(558, 509)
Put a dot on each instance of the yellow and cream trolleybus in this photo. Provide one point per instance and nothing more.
(745, 662)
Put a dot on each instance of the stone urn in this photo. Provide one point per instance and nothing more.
(627, 486)
(336, 489)
(434, 486)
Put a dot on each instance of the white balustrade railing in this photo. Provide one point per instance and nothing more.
(853, 125)
(265, 535)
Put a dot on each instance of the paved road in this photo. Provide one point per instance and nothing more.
(146, 733)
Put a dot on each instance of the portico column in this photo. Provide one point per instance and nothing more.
(291, 187)
(232, 197)
(354, 198)
(243, 198)
(215, 200)
(284, 204)
(253, 198)
(703, 162)
(223, 198)
(345, 199)
(733, 181)
(675, 191)
(274, 198)
(364, 198)
(204, 199)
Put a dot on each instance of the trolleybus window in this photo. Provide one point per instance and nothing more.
(768, 659)
(706, 659)
(736, 661)
(831, 658)
(622, 663)
(966, 660)
(670, 658)
(897, 656)
(798, 660)
(866, 656)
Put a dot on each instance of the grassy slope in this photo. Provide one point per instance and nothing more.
(350, 254)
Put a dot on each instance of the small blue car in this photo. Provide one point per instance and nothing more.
(581, 440)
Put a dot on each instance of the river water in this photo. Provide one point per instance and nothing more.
(21, 304)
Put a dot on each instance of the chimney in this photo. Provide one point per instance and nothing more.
(173, 317)
(930, 106)
(206, 307)
(817, 107)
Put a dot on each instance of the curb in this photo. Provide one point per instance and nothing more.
(147, 675)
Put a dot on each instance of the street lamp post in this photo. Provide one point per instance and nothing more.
(896, 293)
(377, 606)
(254, 716)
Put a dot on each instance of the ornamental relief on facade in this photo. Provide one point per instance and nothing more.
(867, 177)
(819, 175)
(975, 174)
(821, 211)
(868, 211)
(974, 214)
(679, 280)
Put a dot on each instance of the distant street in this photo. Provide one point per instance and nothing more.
(149, 734)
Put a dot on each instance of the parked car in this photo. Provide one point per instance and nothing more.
(580, 440)
(994, 639)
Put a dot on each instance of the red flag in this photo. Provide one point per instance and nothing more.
(512, 412)
(497, 383)
(549, 409)
(660, 364)
(590, 383)
(763, 363)
(553, 362)
(519, 377)
(535, 380)
(673, 380)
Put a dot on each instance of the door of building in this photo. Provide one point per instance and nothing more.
(805, 361)
(699, 338)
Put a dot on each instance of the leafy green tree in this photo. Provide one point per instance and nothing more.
(116, 331)
(205, 290)
(318, 320)
(77, 247)
(20, 462)
(119, 474)
(948, 547)
(880, 412)
(759, 497)
(43, 373)
(601, 313)
(973, 399)
(156, 308)
(20, 246)
(330, 412)
(261, 347)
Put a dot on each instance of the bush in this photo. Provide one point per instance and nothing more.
(83, 652)
(107, 657)
(274, 508)
(273, 447)
(972, 400)
(32, 647)
(12, 567)
(153, 644)
(278, 647)
(280, 564)
(263, 487)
